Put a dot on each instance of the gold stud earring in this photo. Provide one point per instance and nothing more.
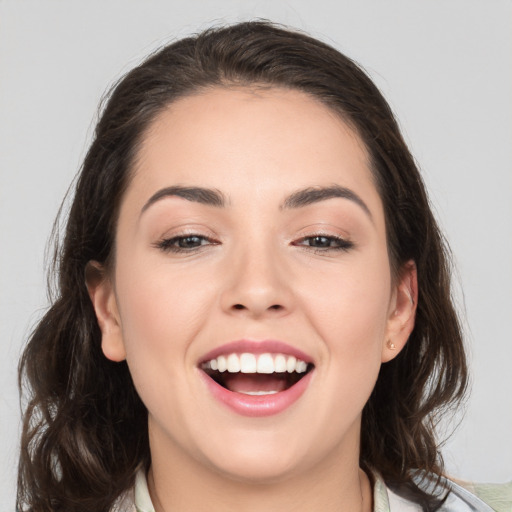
(391, 345)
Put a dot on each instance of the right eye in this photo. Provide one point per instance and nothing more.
(184, 243)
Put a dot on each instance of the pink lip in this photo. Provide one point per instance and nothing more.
(257, 406)
(256, 347)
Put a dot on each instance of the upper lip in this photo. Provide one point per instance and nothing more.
(256, 347)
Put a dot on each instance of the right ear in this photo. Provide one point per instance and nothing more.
(103, 299)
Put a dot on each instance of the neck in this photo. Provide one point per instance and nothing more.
(186, 485)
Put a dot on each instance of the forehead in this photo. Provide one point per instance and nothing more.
(263, 140)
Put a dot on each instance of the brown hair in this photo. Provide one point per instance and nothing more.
(85, 428)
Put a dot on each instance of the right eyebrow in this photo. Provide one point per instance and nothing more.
(207, 196)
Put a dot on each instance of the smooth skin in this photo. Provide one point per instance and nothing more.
(316, 277)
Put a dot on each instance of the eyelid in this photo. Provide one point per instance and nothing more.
(336, 238)
(186, 229)
(343, 242)
(166, 241)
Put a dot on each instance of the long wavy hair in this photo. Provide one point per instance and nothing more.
(85, 428)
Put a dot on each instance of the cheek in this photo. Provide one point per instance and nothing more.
(161, 312)
(349, 308)
(157, 303)
(351, 304)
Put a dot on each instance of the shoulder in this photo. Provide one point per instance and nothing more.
(497, 496)
(462, 497)
(472, 497)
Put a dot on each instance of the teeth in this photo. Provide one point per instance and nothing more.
(265, 364)
(233, 363)
(222, 364)
(251, 363)
(301, 367)
(280, 364)
(248, 363)
(258, 393)
(291, 363)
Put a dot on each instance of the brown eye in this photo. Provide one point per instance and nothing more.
(184, 243)
(189, 242)
(325, 243)
(320, 241)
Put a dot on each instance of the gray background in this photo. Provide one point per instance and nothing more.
(445, 67)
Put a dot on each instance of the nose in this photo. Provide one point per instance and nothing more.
(257, 285)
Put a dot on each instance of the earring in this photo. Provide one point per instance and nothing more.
(391, 345)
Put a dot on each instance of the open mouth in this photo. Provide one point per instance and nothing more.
(256, 374)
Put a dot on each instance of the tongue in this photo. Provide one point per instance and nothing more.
(254, 382)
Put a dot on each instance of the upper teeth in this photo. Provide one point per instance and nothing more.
(252, 363)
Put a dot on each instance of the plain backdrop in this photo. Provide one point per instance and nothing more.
(446, 69)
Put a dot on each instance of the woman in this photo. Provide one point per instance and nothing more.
(254, 307)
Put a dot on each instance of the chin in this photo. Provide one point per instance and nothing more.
(262, 457)
(258, 468)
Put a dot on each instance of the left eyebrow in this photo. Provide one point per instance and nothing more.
(311, 195)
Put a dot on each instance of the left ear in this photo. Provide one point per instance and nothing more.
(402, 311)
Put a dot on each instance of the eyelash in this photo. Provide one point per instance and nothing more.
(171, 244)
(341, 244)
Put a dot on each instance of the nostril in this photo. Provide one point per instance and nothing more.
(274, 307)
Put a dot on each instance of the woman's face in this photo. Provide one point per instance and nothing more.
(252, 237)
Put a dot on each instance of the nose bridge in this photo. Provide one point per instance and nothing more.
(257, 282)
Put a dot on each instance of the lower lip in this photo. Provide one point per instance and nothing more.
(260, 405)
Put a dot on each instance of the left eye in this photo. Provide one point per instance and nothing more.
(324, 242)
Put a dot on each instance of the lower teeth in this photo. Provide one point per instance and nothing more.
(258, 393)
